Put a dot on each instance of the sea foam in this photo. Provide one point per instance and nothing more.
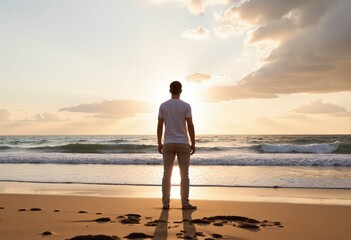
(275, 159)
(293, 148)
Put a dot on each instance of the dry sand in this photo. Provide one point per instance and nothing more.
(289, 220)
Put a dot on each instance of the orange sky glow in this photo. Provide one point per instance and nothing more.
(247, 67)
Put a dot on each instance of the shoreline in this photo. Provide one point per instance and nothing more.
(214, 193)
(159, 185)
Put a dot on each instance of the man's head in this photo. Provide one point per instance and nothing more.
(175, 88)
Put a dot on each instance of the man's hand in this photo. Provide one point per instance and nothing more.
(192, 149)
(160, 148)
(191, 131)
(159, 134)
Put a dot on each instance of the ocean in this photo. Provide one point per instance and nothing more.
(290, 161)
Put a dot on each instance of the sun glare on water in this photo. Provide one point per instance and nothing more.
(175, 190)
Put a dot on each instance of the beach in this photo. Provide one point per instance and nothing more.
(245, 187)
(64, 211)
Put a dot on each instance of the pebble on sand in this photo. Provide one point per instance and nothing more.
(218, 224)
(249, 226)
(103, 219)
(200, 234)
(217, 235)
(150, 224)
(130, 221)
(200, 221)
(35, 209)
(136, 235)
(94, 237)
(133, 215)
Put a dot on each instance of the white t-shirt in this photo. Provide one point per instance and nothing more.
(174, 112)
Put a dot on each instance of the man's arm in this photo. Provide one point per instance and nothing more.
(159, 134)
(191, 130)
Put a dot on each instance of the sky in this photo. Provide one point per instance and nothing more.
(104, 67)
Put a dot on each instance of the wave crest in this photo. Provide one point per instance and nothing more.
(277, 159)
(98, 148)
(294, 148)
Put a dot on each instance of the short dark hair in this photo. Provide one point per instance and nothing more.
(175, 87)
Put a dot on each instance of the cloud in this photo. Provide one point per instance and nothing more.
(5, 115)
(198, 77)
(293, 116)
(275, 31)
(225, 31)
(313, 54)
(262, 12)
(264, 121)
(47, 117)
(40, 117)
(319, 107)
(196, 7)
(341, 114)
(228, 93)
(199, 33)
(113, 109)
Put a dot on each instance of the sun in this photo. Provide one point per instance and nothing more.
(191, 94)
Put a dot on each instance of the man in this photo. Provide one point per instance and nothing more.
(175, 114)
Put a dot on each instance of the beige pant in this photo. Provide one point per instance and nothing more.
(170, 151)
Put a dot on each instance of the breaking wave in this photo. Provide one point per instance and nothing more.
(276, 159)
(294, 148)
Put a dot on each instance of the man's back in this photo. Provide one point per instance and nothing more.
(176, 116)
(174, 112)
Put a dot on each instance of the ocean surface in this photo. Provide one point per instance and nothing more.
(301, 161)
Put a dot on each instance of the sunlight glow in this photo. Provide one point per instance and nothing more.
(191, 95)
(248, 77)
(175, 190)
(175, 175)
